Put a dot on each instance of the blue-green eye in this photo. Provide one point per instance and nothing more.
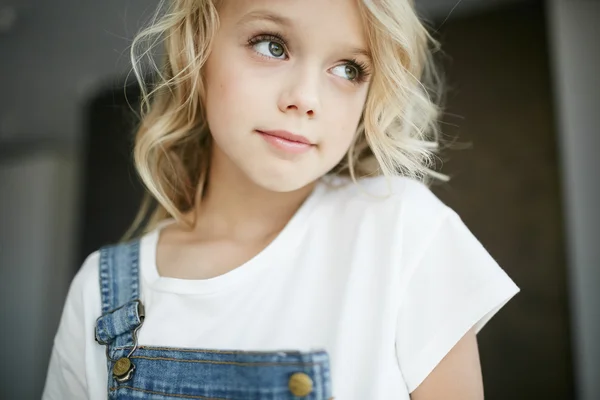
(269, 46)
(352, 70)
(346, 71)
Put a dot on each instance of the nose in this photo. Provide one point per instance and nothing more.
(300, 92)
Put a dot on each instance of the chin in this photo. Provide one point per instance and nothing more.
(282, 182)
(282, 185)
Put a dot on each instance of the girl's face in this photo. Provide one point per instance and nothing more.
(286, 83)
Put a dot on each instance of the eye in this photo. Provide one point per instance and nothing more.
(270, 48)
(347, 71)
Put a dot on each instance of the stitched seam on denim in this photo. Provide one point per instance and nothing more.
(104, 280)
(104, 331)
(183, 396)
(241, 364)
(151, 348)
(134, 260)
(116, 267)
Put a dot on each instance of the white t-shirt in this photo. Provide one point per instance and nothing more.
(387, 285)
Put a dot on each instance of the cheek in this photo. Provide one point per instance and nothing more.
(230, 98)
(223, 95)
(344, 120)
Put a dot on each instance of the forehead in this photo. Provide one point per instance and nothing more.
(333, 19)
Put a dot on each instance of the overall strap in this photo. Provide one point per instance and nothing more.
(119, 274)
(122, 311)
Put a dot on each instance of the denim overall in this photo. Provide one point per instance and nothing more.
(148, 372)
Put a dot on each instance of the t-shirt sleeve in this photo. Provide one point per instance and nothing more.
(64, 380)
(66, 375)
(454, 286)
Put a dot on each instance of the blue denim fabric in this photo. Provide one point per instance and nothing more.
(162, 373)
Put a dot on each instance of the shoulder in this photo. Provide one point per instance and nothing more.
(84, 297)
(87, 278)
(402, 200)
(81, 307)
(83, 303)
(397, 216)
(74, 350)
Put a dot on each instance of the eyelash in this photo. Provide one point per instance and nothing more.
(362, 69)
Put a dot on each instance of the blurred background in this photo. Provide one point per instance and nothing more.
(524, 92)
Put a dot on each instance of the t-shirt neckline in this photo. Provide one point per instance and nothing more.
(283, 242)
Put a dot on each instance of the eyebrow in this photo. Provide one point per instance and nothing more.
(358, 51)
(265, 15)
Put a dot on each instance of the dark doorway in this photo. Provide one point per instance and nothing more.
(111, 189)
(506, 187)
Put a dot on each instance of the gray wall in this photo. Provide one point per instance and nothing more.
(33, 260)
(54, 56)
(574, 33)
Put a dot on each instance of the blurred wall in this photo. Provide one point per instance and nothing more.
(54, 57)
(574, 30)
(32, 228)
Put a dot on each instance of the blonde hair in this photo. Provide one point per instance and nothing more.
(398, 133)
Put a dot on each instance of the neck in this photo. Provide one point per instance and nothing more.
(233, 206)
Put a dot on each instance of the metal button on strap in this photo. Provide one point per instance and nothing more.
(300, 384)
(123, 369)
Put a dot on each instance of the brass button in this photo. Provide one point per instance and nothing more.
(122, 368)
(300, 384)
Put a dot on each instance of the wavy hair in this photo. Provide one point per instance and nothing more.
(398, 133)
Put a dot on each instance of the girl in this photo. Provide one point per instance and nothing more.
(295, 252)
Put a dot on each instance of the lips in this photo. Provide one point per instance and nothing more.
(286, 142)
(287, 136)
